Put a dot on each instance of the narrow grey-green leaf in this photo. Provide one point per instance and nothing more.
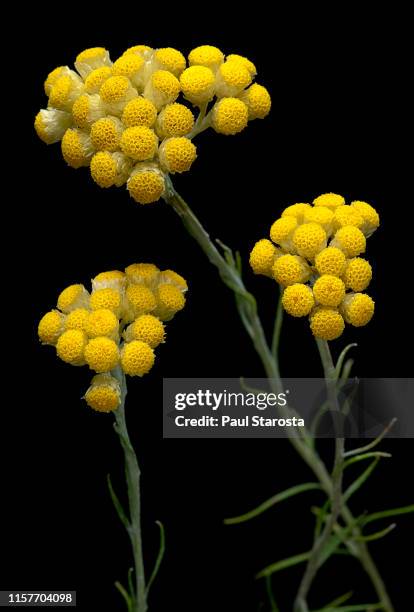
(283, 564)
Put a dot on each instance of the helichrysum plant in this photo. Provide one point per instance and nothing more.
(114, 330)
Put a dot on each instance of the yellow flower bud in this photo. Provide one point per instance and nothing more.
(330, 200)
(139, 111)
(74, 296)
(146, 183)
(51, 124)
(50, 327)
(357, 274)
(350, 240)
(109, 168)
(258, 101)
(231, 79)
(169, 301)
(242, 61)
(330, 261)
(298, 300)
(140, 300)
(282, 231)
(77, 148)
(369, 215)
(101, 354)
(229, 116)
(326, 323)
(137, 358)
(102, 322)
(104, 394)
(96, 78)
(106, 134)
(71, 346)
(162, 88)
(329, 290)
(321, 215)
(169, 59)
(131, 66)
(116, 92)
(112, 279)
(206, 55)
(358, 309)
(87, 109)
(297, 211)
(53, 76)
(144, 273)
(108, 298)
(291, 269)
(263, 256)
(65, 91)
(147, 328)
(76, 319)
(174, 120)
(91, 59)
(198, 84)
(347, 215)
(140, 143)
(309, 239)
(169, 276)
(177, 154)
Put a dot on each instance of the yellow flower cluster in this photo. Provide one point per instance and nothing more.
(123, 120)
(314, 255)
(119, 323)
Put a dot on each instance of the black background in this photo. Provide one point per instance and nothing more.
(338, 124)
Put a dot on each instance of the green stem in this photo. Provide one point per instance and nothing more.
(132, 473)
(277, 329)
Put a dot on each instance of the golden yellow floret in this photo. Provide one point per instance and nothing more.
(96, 78)
(76, 319)
(91, 59)
(139, 111)
(231, 79)
(131, 66)
(145, 273)
(206, 55)
(102, 354)
(290, 269)
(358, 309)
(177, 154)
(169, 276)
(321, 215)
(140, 143)
(357, 274)
(198, 84)
(330, 261)
(243, 61)
(77, 148)
(330, 200)
(74, 296)
(169, 59)
(108, 298)
(140, 300)
(329, 290)
(137, 358)
(104, 394)
(87, 109)
(53, 76)
(170, 300)
(110, 168)
(115, 92)
(297, 210)
(262, 257)
(162, 88)
(281, 231)
(139, 49)
(229, 116)
(309, 239)
(174, 120)
(114, 279)
(350, 240)
(71, 345)
(51, 124)
(147, 328)
(347, 215)
(50, 327)
(326, 323)
(369, 215)
(106, 134)
(146, 183)
(101, 322)
(65, 91)
(258, 101)
(298, 300)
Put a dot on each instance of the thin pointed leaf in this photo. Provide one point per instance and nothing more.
(341, 359)
(118, 506)
(372, 444)
(360, 480)
(269, 591)
(249, 389)
(336, 602)
(375, 516)
(346, 370)
(365, 456)
(307, 486)
(125, 595)
(355, 608)
(283, 564)
(377, 535)
(160, 556)
(130, 584)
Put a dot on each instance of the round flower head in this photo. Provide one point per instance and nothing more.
(330, 261)
(347, 215)
(131, 66)
(297, 211)
(77, 148)
(104, 394)
(282, 231)
(109, 168)
(169, 59)
(76, 319)
(298, 300)
(162, 88)
(96, 78)
(53, 76)
(137, 358)
(71, 345)
(170, 300)
(174, 120)
(146, 183)
(115, 93)
(147, 328)
(140, 300)
(74, 296)
(169, 276)
(101, 354)
(329, 290)
(290, 269)
(231, 79)
(206, 55)
(326, 323)
(106, 134)
(50, 327)
(90, 59)
(177, 154)
(50, 124)
(87, 109)
(144, 273)
(198, 84)
(242, 61)
(108, 298)
(369, 215)
(258, 101)
(113, 279)
(102, 322)
(358, 309)
(139, 142)
(350, 240)
(330, 200)
(65, 91)
(309, 239)
(321, 215)
(357, 274)
(142, 50)
(139, 111)
(229, 116)
(262, 257)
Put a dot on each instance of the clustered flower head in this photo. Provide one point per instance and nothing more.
(125, 121)
(314, 254)
(119, 323)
